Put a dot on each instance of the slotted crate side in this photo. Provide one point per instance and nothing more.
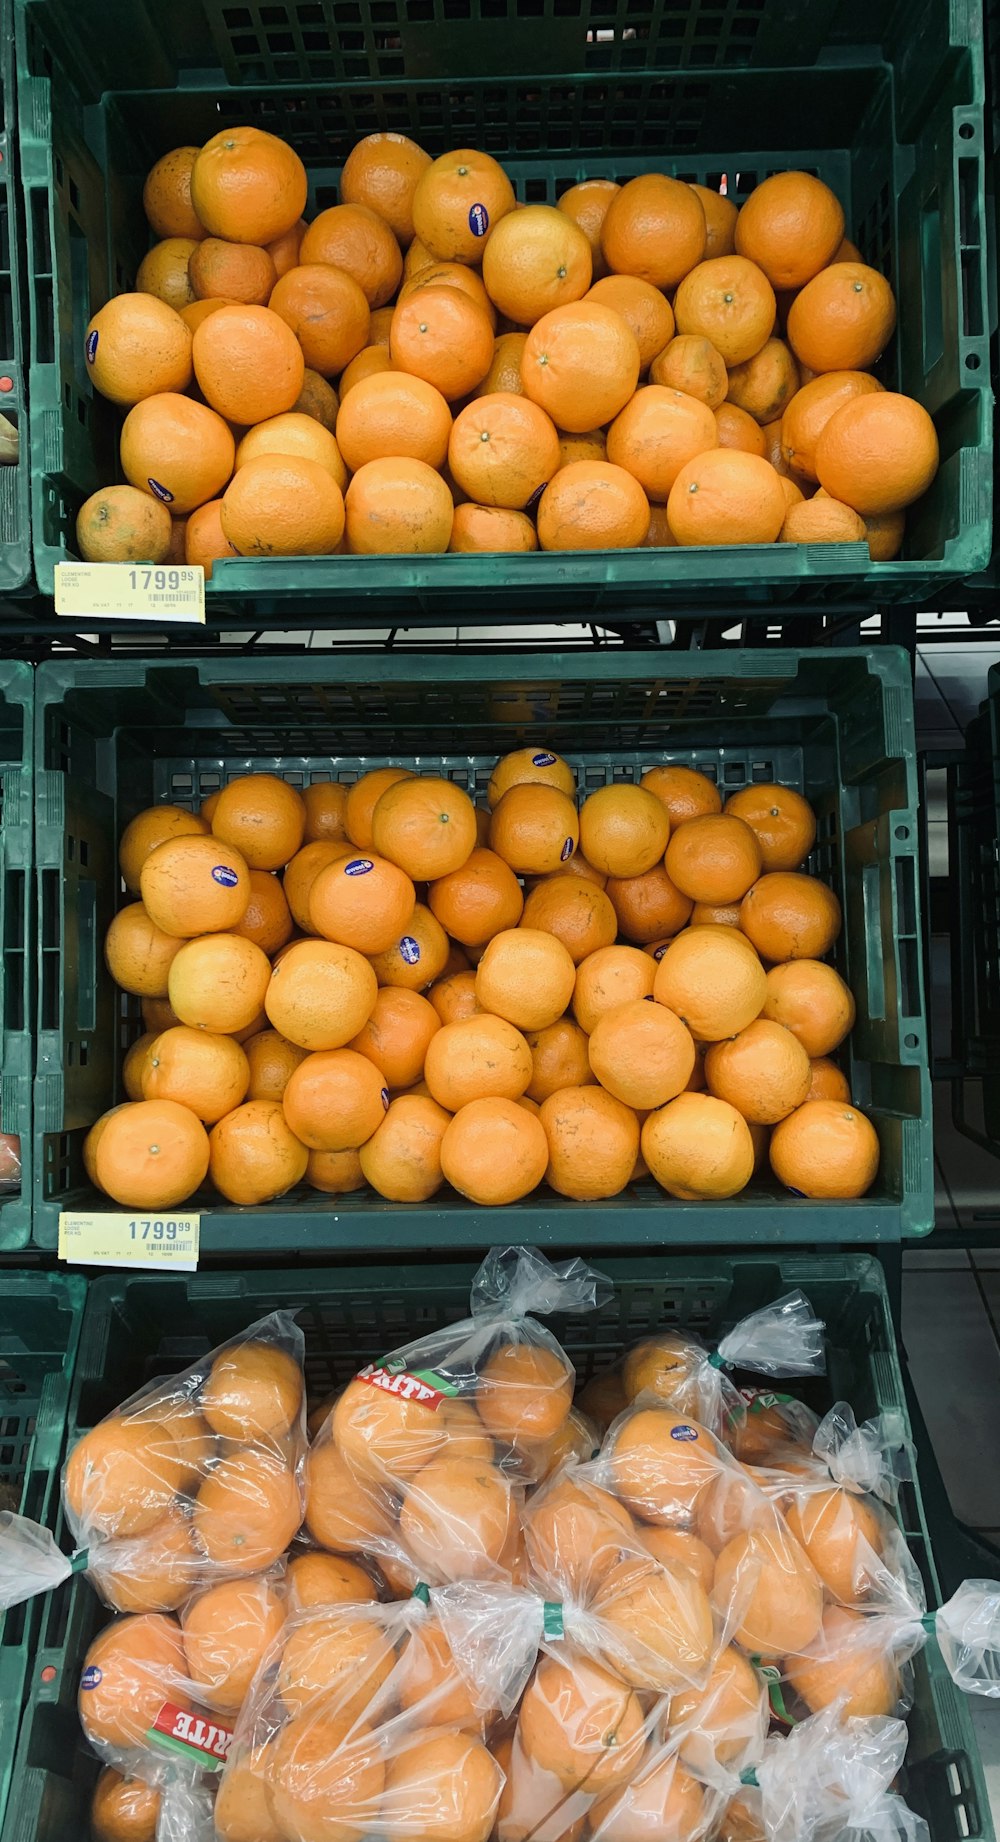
(40, 1319)
(15, 474)
(139, 1328)
(17, 956)
(112, 738)
(974, 877)
(569, 94)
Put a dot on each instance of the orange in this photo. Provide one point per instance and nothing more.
(720, 221)
(179, 451)
(488, 528)
(196, 311)
(842, 1535)
(247, 1510)
(122, 1477)
(458, 201)
(577, 1531)
(294, 434)
(534, 260)
(662, 1797)
(822, 521)
(402, 1160)
(659, 535)
(123, 1680)
(270, 1060)
(714, 858)
(439, 334)
(210, 1074)
(534, 828)
(878, 453)
(686, 793)
(643, 308)
(526, 976)
(397, 1035)
(494, 1151)
(590, 446)
(418, 257)
(784, 822)
(575, 911)
(610, 977)
(248, 186)
(253, 1393)
(326, 809)
(765, 383)
(763, 1072)
(163, 272)
(361, 902)
(323, 1773)
(335, 1172)
(642, 1053)
(656, 433)
(660, 1623)
(227, 1631)
(604, 1398)
(302, 871)
(448, 275)
(283, 505)
(587, 205)
(123, 1809)
(825, 1149)
(792, 226)
(392, 414)
(525, 1393)
(320, 995)
(843, 319)
(382, 172)
(793, 493)
(458, 1515)
(443, 1783)
(132, 1065)
(248, 363)
(335, 1100)
(371, 361)
(505, 371)
(151, 1155)
(357, 242)
(158, 1014)
(341, 1656)
(591, 505)
(715, 914)
(712, 979)
(454, 997)
(418, 957)
(138, 954)
(558, 1059)
(478, 900)
(166, 195)
(581, 1723)
(362, 798)
(649, 907)
(691, 364)
(398, 507)
(326, 310)
(205, 541)
(284, 250)
(242, 1805)
(810, 410)
(476, 1058)
(728, 1712)
(120, 524)
(267, 921)
(327, 1579)
(885, 535)
(593, 1141)
(726, 497)
(775, 1591)
(735, 429)
(218, 982)
(426, 825)
(828, 1082)
(221, 271)
(787, 915)
(432, 1682)
(729, 301)
(502, 448)
(679, 1548)
(382, 1435)
(847, 1665)
(655, 229)
(580, 364)
(137, 346)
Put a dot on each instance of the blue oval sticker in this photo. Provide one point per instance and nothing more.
(543, 760)
(409, 949)
(91, 347)
(479, 220)
(224, 875)
(385, 1098)
(567, 850)
(92, 1677)
(358, 866)
(683, 1432)
(163, 493)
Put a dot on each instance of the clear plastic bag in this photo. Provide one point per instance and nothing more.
(423, 1460)
(831, 1777)
(967, 1628)
(30, 1560)
(784, 1338)
(874, 1458)
(373, 1718)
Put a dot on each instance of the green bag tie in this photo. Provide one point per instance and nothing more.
(775, 1696)
(929, 1622)
(716, 1361)
(750, 1776)
(80, 1562)
(552, 1619)
(422, 1592)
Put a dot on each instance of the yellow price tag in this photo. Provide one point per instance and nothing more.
(163, 592)
(168, 1242)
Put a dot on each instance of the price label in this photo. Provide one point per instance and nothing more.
(167, 1242)
(131, 591)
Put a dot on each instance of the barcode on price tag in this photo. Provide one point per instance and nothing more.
(131, 591)
(167, 1242)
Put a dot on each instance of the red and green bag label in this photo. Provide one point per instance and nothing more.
(425, 1386)
(193, 1735)
(758, 1401)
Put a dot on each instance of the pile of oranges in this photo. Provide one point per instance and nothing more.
(430, 365)
(385, 984)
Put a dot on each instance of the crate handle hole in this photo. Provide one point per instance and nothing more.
(966, 130)
(911, 1041)
(902, 833)
(972, 361)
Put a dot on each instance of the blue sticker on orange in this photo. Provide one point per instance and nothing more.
(162, 492)
(224, 875)
(91, 347)
(530, 505)
(567, 850)
(410, 949)
(542, 760)
(358, 866)
(92, 1677)
(385, 1098)
(479, 220)
(683, 1432)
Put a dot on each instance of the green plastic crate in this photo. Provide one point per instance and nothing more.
(40, 1319)
(113, 737)
(885, 101)
(15, 477)
(16, 928)
(974, 877)
(140, 1328)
